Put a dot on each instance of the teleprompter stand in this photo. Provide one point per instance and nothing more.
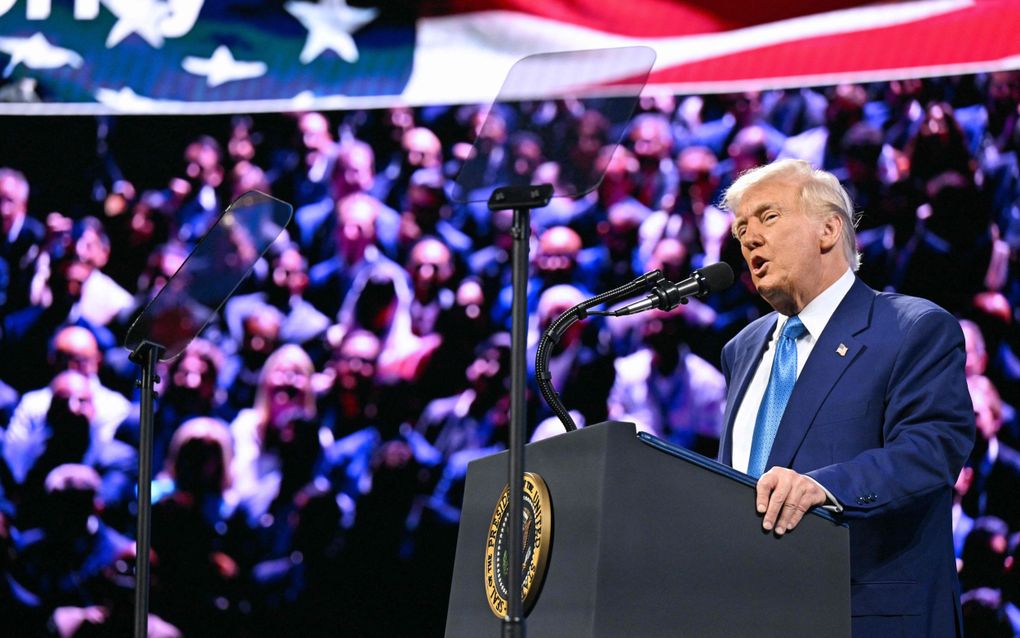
(176, 313)
(606, 81)
(520, 199)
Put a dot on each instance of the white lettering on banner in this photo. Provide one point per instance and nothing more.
(41, 9)
(151, 19)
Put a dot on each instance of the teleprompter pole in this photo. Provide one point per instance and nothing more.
(146, 355)
(521, 199)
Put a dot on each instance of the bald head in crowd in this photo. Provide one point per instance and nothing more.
(75, 348)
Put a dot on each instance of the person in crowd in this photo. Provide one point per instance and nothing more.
(357, 248)
(618, 168)
(276, 441)
(353, 174)
(196, 197)
(580, 362)
(667, 390)
(430, 265)
(22, 236)
(742, 110)
(28, 332)
(260, 336)
(301, 174)
(66, 432)
(428, 213)
(617, 260)
(694, 219)
(984, 554)
(380, 301)
(556, 262)
(285, 290)
(657, 178)
(102, 298)
(963, 523)
(820, 146)
(478, 416)
(61, 561)
(196, 535)
(352, 398)
(73, 348)
(420, 148)
(984, 615)
(995, 465)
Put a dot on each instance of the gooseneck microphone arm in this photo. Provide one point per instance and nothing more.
(667, 295)
(559, 326)
(663, 295)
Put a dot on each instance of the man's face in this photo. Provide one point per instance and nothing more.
(356, 170)
(76, 349)
(289, 273)
(91, 250)
(261, 336)
(356, 363)
(195, 376)
(781, 244)
(202, 165)
(429, 266)
(987, 413)
(356, 228)
(314, 129)
(72, 395)
(12, 202)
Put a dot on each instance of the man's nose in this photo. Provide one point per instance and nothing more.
(752, 237)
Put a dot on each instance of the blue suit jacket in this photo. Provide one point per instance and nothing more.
(886, 428)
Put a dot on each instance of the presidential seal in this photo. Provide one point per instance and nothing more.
(537, 537)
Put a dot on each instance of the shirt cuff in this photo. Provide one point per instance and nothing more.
(831, 503)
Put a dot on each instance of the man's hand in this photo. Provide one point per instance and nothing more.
(786, 495)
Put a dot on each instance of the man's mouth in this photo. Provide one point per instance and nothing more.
(758, 266)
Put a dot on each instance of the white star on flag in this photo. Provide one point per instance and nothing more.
(36, 52)
(142, 17)
(330, 26)
(222, 67)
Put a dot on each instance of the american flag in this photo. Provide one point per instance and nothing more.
(199, 56)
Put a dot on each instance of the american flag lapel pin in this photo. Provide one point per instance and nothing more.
(841, 350)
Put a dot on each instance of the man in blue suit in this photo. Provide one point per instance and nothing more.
(847, 398)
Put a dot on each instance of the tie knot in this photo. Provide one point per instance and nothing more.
(794, 328)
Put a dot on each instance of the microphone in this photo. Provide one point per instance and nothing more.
(668, 295)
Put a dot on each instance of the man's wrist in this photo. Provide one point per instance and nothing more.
(831, 503)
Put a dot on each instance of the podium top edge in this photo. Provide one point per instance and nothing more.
(718, 468)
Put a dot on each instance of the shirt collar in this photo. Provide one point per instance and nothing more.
(816, 314)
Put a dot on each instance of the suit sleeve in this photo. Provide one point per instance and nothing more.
(927, 425)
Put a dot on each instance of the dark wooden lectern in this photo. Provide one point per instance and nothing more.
(653, 540)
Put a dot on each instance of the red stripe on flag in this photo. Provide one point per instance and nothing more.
(647, 18)
(985, 32)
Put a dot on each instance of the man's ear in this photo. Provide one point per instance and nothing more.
(830, 232)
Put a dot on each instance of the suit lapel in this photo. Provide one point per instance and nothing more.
(746, 360)
(835, 350)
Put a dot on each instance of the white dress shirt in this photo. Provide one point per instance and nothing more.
(815, 316)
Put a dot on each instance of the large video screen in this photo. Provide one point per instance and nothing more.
(311, 445)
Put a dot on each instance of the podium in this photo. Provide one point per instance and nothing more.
(648, 539)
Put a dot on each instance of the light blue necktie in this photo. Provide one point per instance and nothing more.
(773, 403)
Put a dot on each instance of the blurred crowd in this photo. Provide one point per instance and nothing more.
(311, 445)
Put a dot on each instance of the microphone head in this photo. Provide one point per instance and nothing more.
(717, 276)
